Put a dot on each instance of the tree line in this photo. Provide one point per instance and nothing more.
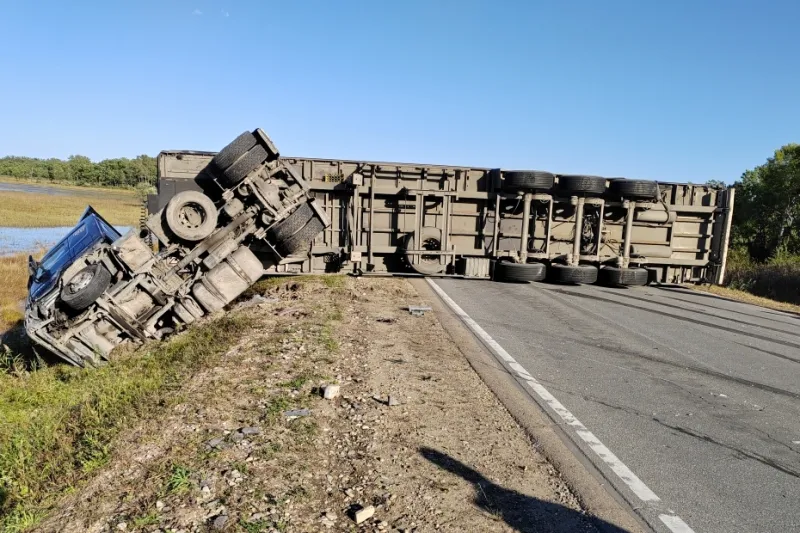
(766, 211)
(80, 170)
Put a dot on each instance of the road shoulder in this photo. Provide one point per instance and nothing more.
(601, 502)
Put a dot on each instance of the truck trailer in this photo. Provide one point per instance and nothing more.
(439, 220)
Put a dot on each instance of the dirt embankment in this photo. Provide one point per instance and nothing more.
(414, 434)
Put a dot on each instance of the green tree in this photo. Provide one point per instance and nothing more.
(767, 210)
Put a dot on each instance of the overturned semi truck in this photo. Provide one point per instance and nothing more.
(438, 220)
(96, 288)
(220, 221)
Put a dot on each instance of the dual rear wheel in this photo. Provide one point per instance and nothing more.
(508, 271)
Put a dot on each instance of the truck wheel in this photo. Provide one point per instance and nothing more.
(243, 166)
(646, 190)
(577, 184)
(85, 287)
(519, 272)
(301, 240)
(573, 273)
(527, 180)
(291, 224)
(623, 277)
(429, 239)
(236, 149)
(191, 215)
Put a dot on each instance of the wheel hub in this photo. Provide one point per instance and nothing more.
(192, 215)
(433, 245)
(80, 282)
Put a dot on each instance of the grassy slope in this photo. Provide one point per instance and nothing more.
(57, 423)
(33, 210)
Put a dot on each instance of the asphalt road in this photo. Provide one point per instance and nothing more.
(697, 395)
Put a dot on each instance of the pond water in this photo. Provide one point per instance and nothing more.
(16, 240)
(61, 191)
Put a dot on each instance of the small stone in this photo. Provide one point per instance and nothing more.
(235, 474)
(159, 505)
(220, 522)
(122, 526)
(330, 516)
(256, 517)
(383, 525)
(350, 493)
(216, 442)
(296, 413)
(393, 401)
(364, 513)
(330, 392)
(205, 489)
(237, 437)
(253, 430)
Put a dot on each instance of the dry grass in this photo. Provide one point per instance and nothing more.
(13, 288)
(742, 296)
(34, 210)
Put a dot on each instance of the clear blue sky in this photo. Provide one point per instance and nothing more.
(680, 90)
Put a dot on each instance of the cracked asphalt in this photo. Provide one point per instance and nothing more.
(698, 395)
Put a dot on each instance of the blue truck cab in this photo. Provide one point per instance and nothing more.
(45, 276)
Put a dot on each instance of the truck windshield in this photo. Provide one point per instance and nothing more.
(55, 256)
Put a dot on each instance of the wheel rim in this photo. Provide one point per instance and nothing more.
(81, 281)
(192, 215)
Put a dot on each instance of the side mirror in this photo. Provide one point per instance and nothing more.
(32, 266)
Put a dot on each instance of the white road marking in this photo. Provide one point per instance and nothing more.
(637, 486)
(675, 524)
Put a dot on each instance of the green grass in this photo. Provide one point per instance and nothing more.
(258, 526)
(149, 519)
(57, 423)
(277, 406)
(179, 480)
(296, 382)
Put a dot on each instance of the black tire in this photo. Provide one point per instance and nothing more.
(243, 166)
(291, 224)
(527, 180)
(646, 190)
(85, 287)
(577, 184)
(430, 239)
(623, 277)
(191, 216)
(301, 240)
(573, 273)
(236, 149)
(519, 272)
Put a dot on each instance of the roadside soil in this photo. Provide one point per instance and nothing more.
(746, 297)
(414, 432)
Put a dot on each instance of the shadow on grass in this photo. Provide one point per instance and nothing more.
(521, 512)
(17, 353)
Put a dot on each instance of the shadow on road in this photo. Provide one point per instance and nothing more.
(521, 512)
